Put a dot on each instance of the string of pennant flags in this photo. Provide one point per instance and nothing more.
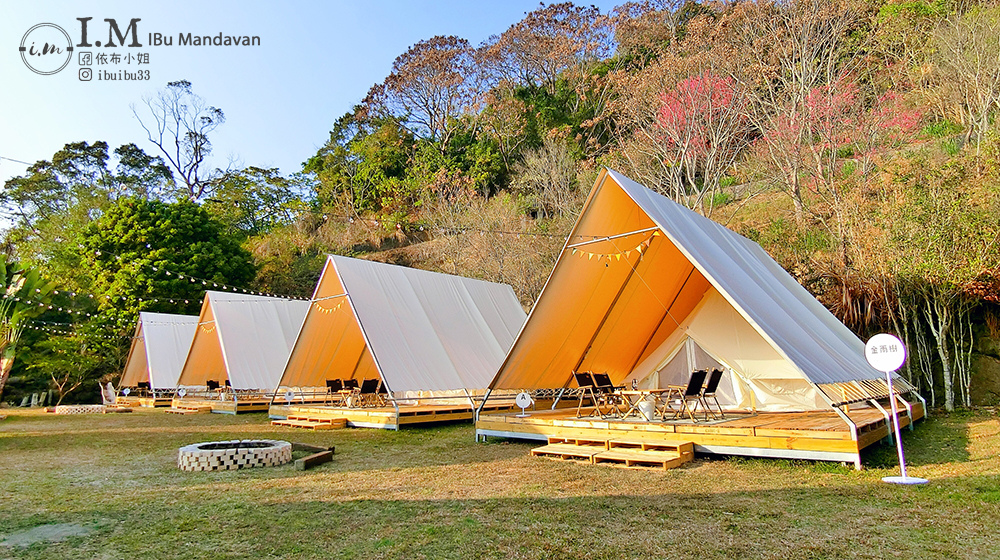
(642, 246)
(328, 310)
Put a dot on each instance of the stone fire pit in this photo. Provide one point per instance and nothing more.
(236, 454)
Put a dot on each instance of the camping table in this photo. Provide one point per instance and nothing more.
(640, 396)
(672, 391)
(345, 397)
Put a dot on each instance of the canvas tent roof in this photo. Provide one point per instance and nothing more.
(160, 345)
(640, 273)
(242, 338)
(419, 331)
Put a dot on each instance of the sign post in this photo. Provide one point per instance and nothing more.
(886, 353)
(523, 401)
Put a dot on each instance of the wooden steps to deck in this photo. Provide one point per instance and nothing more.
(619, 452)
(311, 423)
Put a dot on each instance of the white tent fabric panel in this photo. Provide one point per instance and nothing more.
(430, 331)
(819, 345)
(167, 339)
(774, 383)
(256, 334)
(690, 357)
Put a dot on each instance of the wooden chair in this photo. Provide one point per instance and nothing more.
(709, 393)
(692, 394)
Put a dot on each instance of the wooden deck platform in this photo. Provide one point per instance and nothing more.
(223, 406)
(821, 436)
(382, 417)
(147, 402)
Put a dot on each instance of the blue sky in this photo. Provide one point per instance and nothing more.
(315, 61)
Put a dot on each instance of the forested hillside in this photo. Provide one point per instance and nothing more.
(855, 140)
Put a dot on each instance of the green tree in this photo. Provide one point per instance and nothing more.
(253, 201)
(55, 199)
(141, 250)
(69, 361)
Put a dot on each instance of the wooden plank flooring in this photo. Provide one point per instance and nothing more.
(223, 406)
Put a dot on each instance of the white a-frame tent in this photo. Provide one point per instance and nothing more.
(243, 339)
(647, 290)
(424, 334)
(159, 347)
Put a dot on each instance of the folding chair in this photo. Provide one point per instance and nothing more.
(692, 394)
(333, 388)
(606, 389)
(366, 394)
(586, 384)
(709, 393)
(382, 395)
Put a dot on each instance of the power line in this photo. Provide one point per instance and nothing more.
(16, 161)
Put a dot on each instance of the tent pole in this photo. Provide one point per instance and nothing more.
(843, 416)
(610, 237)
(482, 404)
(555, 403)
(885, 414)
(666, 313)
(607, 314)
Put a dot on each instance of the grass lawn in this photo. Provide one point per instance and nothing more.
(435, 493)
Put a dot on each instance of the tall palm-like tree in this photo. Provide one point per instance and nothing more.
(23, 292)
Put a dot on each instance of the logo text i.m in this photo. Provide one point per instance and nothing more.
(46, 49)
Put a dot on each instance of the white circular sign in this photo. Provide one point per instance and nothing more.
(182, 392)
(885, 352)
(523, 400)
(289, 396)
(126, 391)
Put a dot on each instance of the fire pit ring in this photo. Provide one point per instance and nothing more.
(235, 454)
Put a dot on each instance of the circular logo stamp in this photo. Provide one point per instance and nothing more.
(46, 48)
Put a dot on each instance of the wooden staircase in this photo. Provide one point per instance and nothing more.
(311, 423)
(619, 452)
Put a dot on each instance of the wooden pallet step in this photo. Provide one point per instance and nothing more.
(579, 441)
(642, 458)
(567, 451)
(188, 410)
(321, 420)
(678, 447)
(325, 424)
